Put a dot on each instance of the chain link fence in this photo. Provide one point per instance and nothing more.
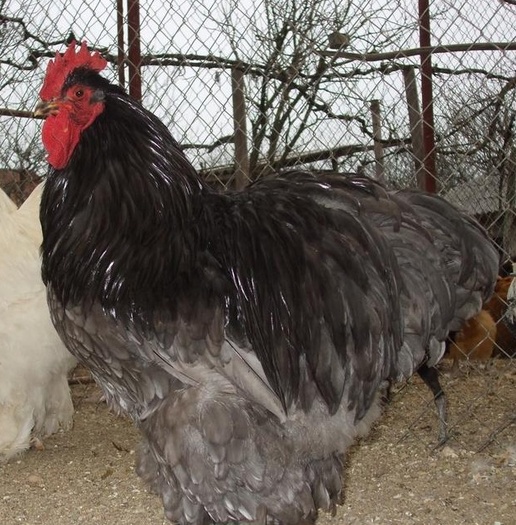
(251, 86)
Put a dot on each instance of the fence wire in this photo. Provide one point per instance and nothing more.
(325, 84)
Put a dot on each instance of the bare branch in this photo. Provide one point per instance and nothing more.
(6, 112)
(33, 55)
(28, 35)
(406, 53)
(224, 172)
(469, 71)
(227, 139)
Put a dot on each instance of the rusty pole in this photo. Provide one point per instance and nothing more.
(134, 49)
(430, 180)
(120, 42)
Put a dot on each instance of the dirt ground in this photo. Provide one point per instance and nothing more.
(394, 476)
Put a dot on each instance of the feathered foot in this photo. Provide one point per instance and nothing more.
(37, 444)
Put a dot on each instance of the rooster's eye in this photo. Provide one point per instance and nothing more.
(79, 93)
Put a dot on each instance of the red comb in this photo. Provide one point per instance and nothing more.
(63, 64)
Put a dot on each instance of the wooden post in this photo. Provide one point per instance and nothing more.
(242, 175)
(414, 113)
(377, 137)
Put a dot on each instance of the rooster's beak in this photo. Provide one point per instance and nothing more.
(45, 109)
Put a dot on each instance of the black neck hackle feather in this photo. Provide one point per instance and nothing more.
(100, 213)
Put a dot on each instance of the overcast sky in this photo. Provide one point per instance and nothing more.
(196, 104)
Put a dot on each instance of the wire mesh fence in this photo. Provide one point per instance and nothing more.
(252, 86)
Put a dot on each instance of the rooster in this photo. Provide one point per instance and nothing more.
(35, 399)
(248, 334)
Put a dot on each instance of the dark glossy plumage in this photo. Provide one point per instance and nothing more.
(247, 334)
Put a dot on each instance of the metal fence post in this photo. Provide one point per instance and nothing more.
(134, 49)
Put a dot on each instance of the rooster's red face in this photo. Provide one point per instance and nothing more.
(68, 105)
(66, 118)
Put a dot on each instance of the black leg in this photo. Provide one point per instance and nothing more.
(431, 378)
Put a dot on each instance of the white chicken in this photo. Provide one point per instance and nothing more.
(35, 398)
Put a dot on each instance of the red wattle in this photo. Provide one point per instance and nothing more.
(60, 136)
